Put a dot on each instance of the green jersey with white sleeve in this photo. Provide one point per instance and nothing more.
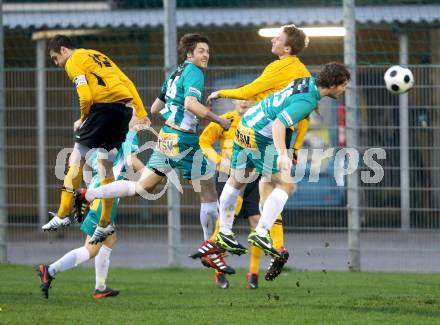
(290, 105)
(253, 142)
(186, 80)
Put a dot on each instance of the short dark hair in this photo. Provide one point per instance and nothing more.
(188, 43)
(59, 41)
(333, 74)
(296, 39)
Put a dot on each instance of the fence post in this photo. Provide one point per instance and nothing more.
(352, 135)
(3, 189)
(404, 142)
(41, 124)
(173, 195)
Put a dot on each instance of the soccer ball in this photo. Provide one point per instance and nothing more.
(398, 79)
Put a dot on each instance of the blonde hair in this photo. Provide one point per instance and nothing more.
(296, 38)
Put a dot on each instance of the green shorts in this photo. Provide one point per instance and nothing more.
(181, 150)
(252, 150)
(88, 226)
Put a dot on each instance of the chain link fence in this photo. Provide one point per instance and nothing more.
(315, 218)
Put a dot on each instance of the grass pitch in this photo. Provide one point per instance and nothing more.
(187, 296)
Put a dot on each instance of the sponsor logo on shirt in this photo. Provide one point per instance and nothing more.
(167, 143)
(245, 137)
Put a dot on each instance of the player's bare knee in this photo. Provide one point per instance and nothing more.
(289, 188)
(110, 241)
(148, 180)
(147, 184)
(92, 249)
(265, 187)
(75, 158)
(235, 182)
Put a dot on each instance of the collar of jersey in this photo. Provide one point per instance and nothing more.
(189, 62)
(318, 95)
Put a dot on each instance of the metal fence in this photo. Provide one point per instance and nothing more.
(315, 218)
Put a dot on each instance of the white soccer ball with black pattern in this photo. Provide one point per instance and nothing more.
(398, 79)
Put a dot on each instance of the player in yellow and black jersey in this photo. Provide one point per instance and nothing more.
(107, 98)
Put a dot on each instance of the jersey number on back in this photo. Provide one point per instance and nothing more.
(172, 87)
(254, 118)
(101, 60)
(172, 81)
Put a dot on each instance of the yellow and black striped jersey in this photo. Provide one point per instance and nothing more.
(99, 80)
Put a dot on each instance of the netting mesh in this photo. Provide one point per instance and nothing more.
(238, 55)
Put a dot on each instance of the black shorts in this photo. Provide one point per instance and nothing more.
(106, 126)
(251, 198)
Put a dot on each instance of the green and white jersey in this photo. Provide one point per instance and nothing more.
(290, 105)
(131, 145)
(186, 80)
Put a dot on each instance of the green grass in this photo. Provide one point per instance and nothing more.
(183, 296)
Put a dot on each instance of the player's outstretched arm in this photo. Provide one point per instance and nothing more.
(212, 97)
(78, 75)
(157, 106)
(263, 83)
(193, 105)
